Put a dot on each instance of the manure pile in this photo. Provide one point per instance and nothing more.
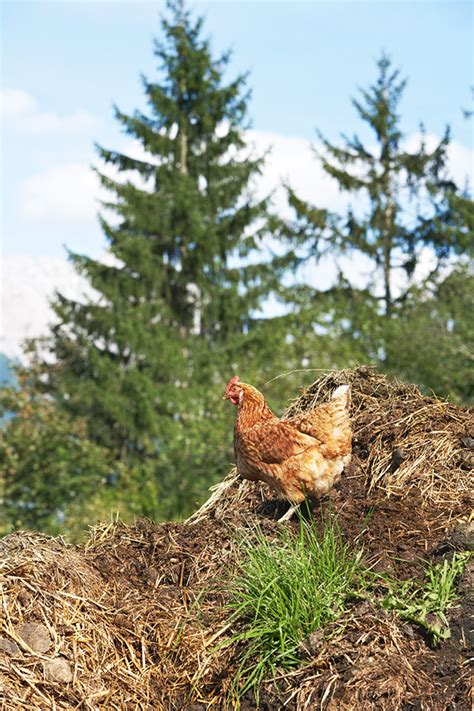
(132, 619)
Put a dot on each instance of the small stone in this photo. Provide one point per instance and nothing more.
(311, 645)
(58, 670)
(152, 575)
(123, 621)
(409, 631)
(36, 636)
(466, 460)
(24, 597)
(398, 456)
(9, 646)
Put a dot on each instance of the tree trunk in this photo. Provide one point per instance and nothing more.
(183, 137)
(183, 159)
(387, 262)
(387, 276)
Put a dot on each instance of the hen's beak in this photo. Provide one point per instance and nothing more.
(226, 397)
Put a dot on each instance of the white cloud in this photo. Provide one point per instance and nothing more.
(22, 109)
(62, 195)
(461, 164)
(16, 104)
(68, 194)
(51, 122)
(291, 160)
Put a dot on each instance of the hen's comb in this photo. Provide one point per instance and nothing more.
(233, 381)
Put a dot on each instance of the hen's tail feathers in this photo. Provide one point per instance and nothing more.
(343, 394)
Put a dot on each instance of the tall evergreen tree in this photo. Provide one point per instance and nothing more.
(404, 203)
(183, 277)
(435, 336)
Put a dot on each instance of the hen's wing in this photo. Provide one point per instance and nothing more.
(317, 423)
(329, 423)
(286, 459)
(274, 442)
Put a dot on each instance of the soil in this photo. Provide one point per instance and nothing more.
(148, 602)
(398, 535)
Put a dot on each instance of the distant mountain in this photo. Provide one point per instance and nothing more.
(28, 285)
(7, 376)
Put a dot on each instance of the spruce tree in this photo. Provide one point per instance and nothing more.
(402, 202)
(435, 336)
(137, 360)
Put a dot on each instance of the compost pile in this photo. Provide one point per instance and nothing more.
(132, 620)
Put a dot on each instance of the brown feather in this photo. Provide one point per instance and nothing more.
(298, 456)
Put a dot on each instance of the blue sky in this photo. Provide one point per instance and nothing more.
(66, 63)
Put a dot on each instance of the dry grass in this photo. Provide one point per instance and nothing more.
(48, 583)
(116, 613)
(135, 614)
(382, 668)
(406, 441)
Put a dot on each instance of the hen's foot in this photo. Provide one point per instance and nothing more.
(288, 514)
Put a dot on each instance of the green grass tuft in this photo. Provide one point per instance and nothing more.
(301, 581)
(287, 589)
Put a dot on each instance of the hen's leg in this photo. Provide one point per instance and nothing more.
(288, 514)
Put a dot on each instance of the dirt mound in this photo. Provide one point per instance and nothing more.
(131, 620)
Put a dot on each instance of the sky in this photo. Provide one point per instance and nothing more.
(66, 63)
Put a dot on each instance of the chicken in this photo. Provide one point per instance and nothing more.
(297, 456)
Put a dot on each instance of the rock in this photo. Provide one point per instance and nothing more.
(58, 670)
(24, 597)
(9, 646)
(36, 636)
(152, 576)
(311, 645)
(398, 456)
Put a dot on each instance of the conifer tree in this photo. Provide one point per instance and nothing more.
(435, 336)
(136, 359)
(402, 202)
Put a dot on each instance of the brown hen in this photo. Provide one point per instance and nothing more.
(297, 456)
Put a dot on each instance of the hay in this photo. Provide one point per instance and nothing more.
(382, 668)
(51, 584)
(130, 620)
(117, 611)
(403, 440)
